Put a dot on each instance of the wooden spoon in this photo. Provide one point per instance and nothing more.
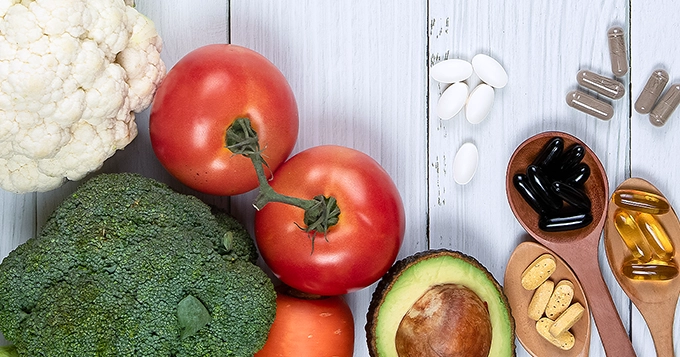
(579, 248)
(519, 299)
(656, 300)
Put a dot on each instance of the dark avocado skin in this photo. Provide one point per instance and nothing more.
(385, 285)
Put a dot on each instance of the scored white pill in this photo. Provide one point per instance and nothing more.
(451, 71)
(465, 163)
(479, 103)
(452, 100)
(489, 71)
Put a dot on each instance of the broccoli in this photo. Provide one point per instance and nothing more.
(233, 241)
(8, 351)
(107, 273)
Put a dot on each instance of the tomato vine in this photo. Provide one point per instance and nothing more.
(321, 212)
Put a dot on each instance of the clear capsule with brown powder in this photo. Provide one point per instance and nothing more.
(651, 92)
(666, 106)
(617, 51)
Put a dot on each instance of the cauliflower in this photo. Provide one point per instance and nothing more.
(73, 73)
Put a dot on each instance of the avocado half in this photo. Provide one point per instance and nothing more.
(410, 278)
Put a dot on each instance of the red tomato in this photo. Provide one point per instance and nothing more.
(310, 328)
(201, 97)
(359, 249)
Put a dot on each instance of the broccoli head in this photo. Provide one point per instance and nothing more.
(107, 273)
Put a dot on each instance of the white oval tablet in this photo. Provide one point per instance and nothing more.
(479, 103)
(451, 71)
(452, 100)
(489, 71)
(465, 163)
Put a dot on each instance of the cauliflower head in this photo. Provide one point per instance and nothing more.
(73, 73)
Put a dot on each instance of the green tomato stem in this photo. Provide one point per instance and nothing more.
(321, 212)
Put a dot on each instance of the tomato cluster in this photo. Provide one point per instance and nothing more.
(203, 96)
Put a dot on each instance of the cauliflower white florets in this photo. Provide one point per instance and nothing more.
(73, 73)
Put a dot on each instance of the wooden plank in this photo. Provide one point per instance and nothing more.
(357, 71)
(654, 149)
(542, 46)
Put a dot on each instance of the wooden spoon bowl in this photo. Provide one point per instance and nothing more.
(519, 299)
(656, 300)
(579, 248)
(596, 187)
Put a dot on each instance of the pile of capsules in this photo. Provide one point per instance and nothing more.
(648, 101)
(552, 306)
(477, 103)
(637, 221)
(605, 86)
(554, 177)
(659, 111)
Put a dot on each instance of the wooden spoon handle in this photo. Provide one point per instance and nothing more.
(663, 341)
(613, 335)
(660, 318)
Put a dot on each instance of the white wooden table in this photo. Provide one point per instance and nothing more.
(359, 70)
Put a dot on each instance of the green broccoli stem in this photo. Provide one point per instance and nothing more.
(321, 212)
(8, 351)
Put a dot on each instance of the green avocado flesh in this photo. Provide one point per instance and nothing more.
(411, 277)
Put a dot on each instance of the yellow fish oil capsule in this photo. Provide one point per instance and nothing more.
(632, 236)
(590, 105)
(617, 51)
(641, 201)
(654, 270)
(608, 87)
(651, 92)
(666, 105)
(656, 236)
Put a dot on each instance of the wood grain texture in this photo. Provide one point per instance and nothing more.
(654, 150)
(357, 69)
(542, 46)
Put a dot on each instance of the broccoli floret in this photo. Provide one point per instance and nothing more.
(235, 241)
(110, 267)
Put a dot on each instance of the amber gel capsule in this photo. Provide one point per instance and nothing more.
(667, 104)
(657, 238)
(654, 270)
(641, 201)
(632, 236)
(617, 51)
(590, 105)
(608, 87)
(651, 92)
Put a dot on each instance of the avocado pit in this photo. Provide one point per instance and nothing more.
(448, 320)
(447, 294)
